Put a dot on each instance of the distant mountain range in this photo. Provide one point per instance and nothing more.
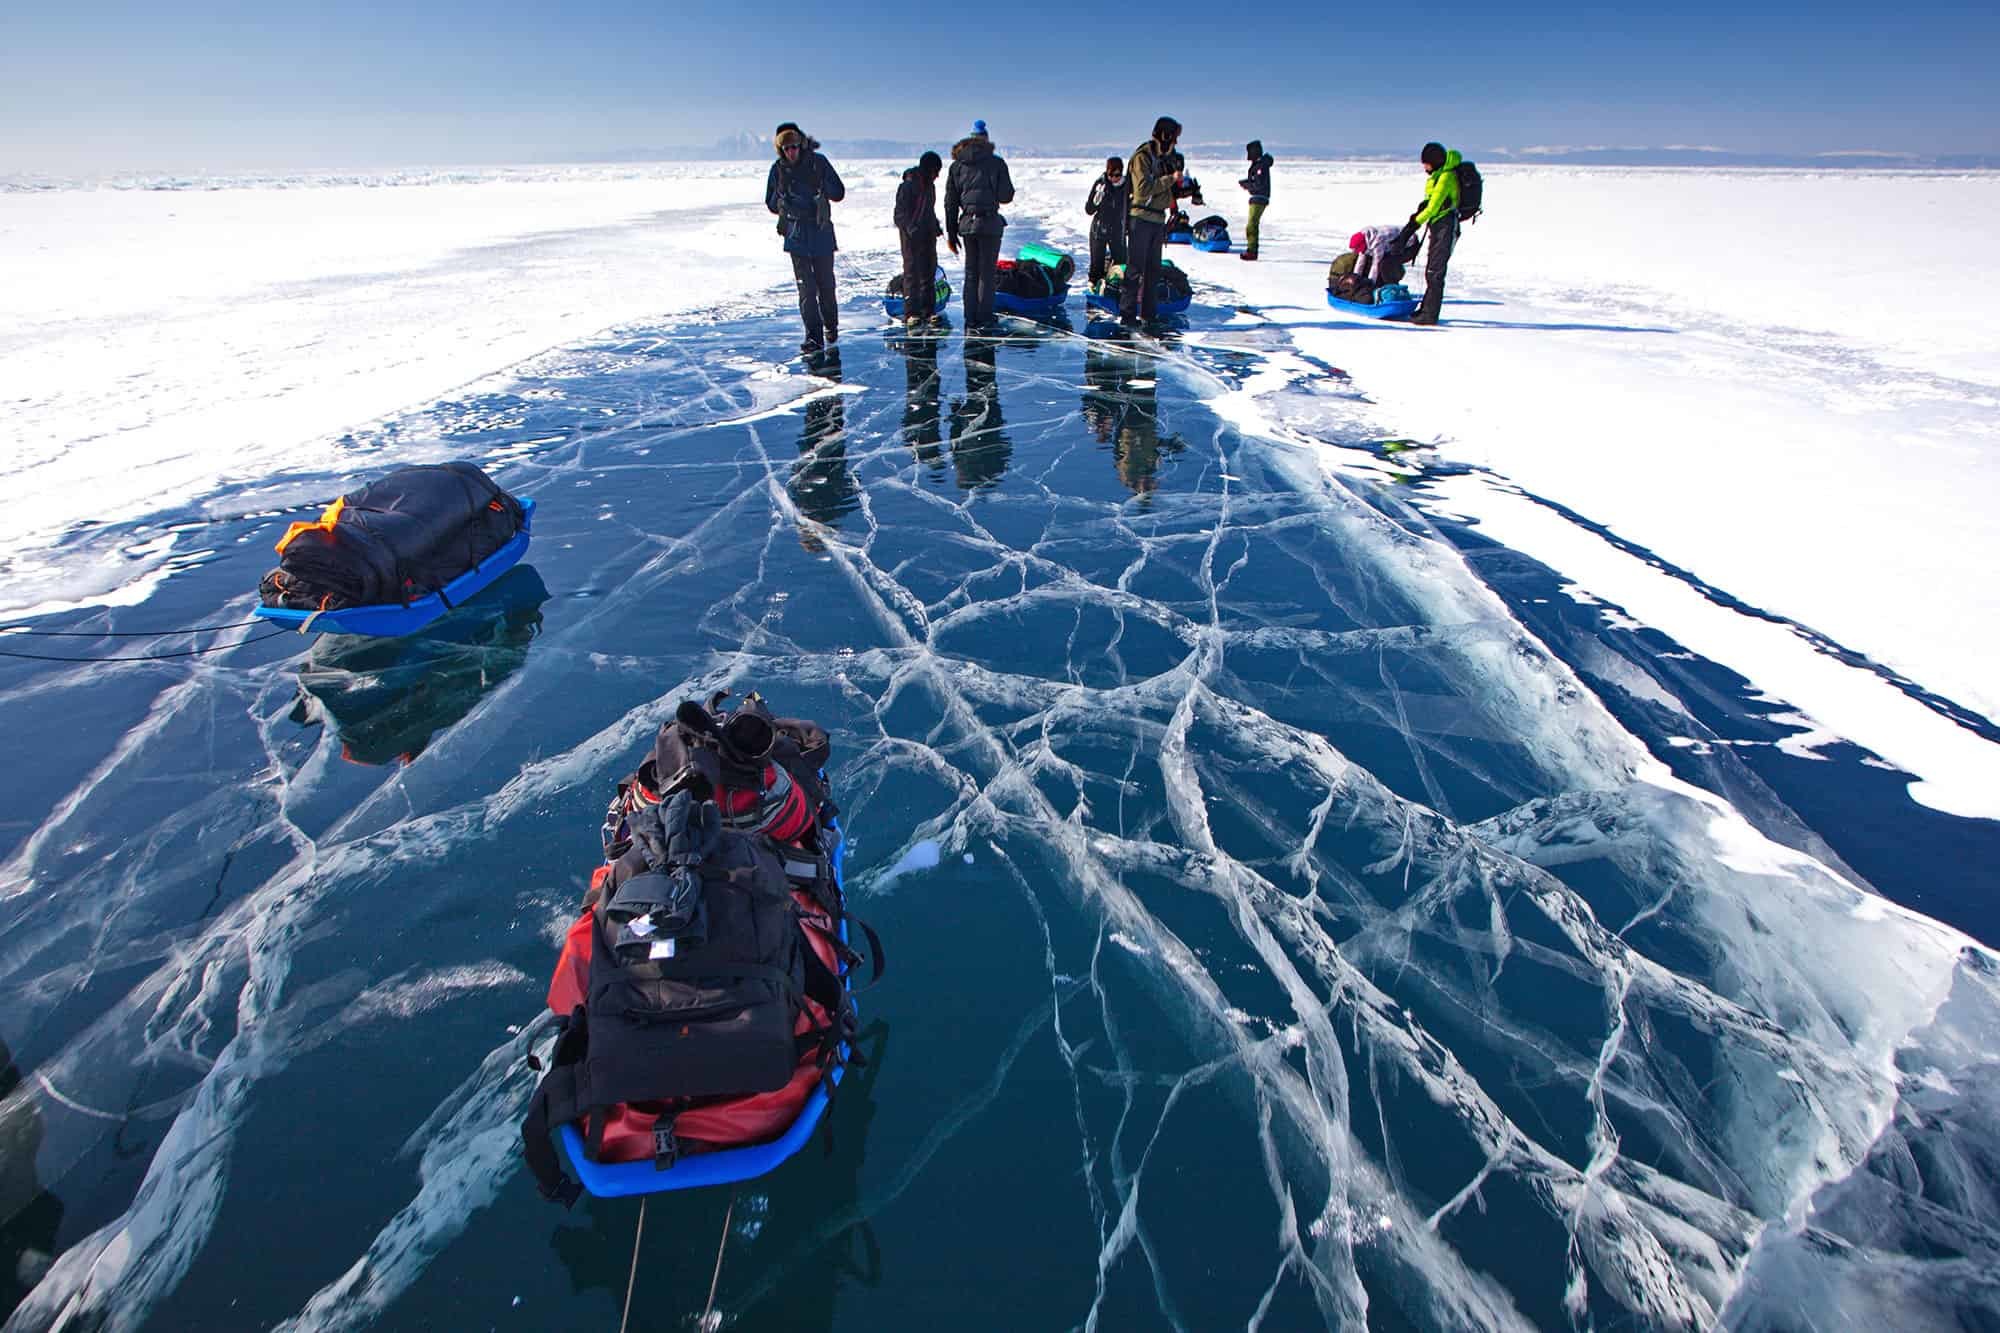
(749, 146)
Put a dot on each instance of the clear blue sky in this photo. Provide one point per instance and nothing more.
(90, 87)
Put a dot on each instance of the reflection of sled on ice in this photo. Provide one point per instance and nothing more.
(387, 697)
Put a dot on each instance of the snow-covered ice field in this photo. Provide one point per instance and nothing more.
(1772, 383)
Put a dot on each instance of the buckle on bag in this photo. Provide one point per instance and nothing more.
(666, 1148)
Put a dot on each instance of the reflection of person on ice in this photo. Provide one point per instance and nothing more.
(917, 225)
(1109, 206)
(801, 190)
(973, 192)
(1438, 219)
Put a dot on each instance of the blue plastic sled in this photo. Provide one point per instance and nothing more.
(894, 304)
(619, 1180)
(1180, 238)
(1042, 307)
(388, 620)
(1215, 245)
(1387, 310)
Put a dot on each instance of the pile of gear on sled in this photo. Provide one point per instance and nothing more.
(704, 993)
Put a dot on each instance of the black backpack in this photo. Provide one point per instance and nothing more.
(1029, 279)
(1470, 192)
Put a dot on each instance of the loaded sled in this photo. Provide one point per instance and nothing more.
(892, 299)
(705, 994)
(1174, 294)
(1035, 283)
(395, 555)
(1392, 301)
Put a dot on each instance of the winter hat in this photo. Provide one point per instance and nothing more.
(930, 163)
(1255, 148)
(979, 129)
(1433, 155)
(786, 135)
(1358, 241)
(1166, 127)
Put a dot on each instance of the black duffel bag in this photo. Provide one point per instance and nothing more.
(393, 541)
(710, 1012)
(1029, 280)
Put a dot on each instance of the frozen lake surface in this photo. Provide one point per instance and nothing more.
(1304, 909)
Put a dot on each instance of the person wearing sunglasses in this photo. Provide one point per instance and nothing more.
(1109, 205)
(801, 189)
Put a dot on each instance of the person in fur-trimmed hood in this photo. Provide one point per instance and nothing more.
(974, 189)
(801, 190)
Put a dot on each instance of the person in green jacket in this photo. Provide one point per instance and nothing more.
(1437, 218)
(1158, 176)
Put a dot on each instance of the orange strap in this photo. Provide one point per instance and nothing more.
(325, 524)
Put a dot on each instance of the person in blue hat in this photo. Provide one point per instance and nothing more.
(973, 192)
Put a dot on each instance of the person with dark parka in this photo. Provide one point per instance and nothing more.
(1159, 176)
(1258, 183)
(1109, 206)
(801, 189)
(917, 225)
(973, 192)
(1437, 218)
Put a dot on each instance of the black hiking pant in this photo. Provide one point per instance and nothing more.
(1439, 238)
(919, 277)
(1139, 294)
(1107, 247)
(819, 308)
(982, 275)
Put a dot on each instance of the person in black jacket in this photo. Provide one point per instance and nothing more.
(1258, 183)
(801, 188)
(917, 225)
(1108, 206)
(973, 192)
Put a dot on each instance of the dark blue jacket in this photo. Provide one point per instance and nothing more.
(1258, 182)
(799, 196)
(916, 208)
